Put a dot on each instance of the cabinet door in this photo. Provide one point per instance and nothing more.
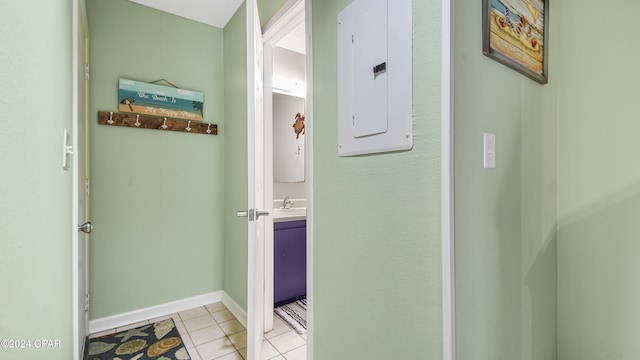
(290, 262)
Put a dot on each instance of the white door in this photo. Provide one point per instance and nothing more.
(80, 177)
(255, 303)
(281, 24)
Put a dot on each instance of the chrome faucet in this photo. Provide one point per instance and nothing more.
(287, 203)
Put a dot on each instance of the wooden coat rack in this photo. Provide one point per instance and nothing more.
(111, 118)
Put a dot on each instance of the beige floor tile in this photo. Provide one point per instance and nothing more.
(215, 307)
(231, 327)
(279, 357)
(279, 328)
(181, 329)
(239, 340)
(297, 354)
(223, 315)
(215, 349)
(193, 313)
(199, 323)
(193, 353)
(268, 351)
(287, 342)
(232, 356)
(207, 334)
(186, 339)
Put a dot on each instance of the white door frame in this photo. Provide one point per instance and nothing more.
(287, 18)
(268, 184)
(80, 29)
(309, 134)
(447, 190)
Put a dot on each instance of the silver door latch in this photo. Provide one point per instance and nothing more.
(253, 214)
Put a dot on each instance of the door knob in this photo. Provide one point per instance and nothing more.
(86, 227)
(253, 214)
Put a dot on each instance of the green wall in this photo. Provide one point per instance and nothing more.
(157, 198)
(377, 254)
(598, 182)
(574, 136)
(35, 193)
(235, 158)
(505, 241)
(268, 8)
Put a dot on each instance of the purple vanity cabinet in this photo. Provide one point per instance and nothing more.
(290, 261)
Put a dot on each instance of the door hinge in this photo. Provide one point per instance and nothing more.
(86, 71)
(86, 302)
(87, 190)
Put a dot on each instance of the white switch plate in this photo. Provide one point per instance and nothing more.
(489, 151)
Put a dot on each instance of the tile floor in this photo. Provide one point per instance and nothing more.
(212, 332)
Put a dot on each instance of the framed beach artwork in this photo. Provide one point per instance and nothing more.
(514, 33)
(157, 100)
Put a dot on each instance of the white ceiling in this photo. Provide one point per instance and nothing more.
(218, 13)
(212, 12)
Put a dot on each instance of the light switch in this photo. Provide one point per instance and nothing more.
(489, 151)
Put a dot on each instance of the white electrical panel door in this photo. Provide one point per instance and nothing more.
(375, 80)
(369, 92)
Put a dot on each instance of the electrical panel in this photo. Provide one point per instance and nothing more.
(375, 77)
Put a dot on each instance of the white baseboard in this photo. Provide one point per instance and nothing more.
(235, 309)
(119, 320)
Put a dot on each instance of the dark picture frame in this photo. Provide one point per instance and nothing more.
(515, 33)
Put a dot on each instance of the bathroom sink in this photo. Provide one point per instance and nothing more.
(294, 211)
(291, 214)
(297, 211)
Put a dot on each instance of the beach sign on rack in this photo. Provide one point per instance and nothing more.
(151, 99)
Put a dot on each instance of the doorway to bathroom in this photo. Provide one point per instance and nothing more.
(287, 180)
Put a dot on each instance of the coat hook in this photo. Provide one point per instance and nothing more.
(209, 129)
(137, 123)
(164, 124)
(188, 128)
(110, 121)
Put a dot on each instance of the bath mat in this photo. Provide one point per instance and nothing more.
(294, 314)
(158, 341)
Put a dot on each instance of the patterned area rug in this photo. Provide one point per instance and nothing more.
(158, 341)
(294, 314)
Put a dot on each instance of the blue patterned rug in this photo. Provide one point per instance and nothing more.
(158, 341)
